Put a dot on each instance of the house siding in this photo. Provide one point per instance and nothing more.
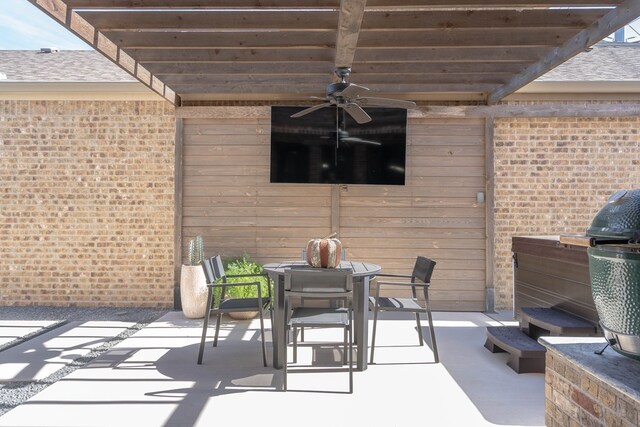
(552, 175)
(87, 213)
(227, 198)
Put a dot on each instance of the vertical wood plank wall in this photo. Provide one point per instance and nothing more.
(227, 198)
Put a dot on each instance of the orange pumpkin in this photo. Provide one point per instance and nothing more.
(325, 253)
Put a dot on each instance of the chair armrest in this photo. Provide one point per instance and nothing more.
(319, 295)
(247, 275)
(403, 284)
(269, 284)
(406, 276)
(220, 285)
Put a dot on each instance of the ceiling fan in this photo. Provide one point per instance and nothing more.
(347, 96)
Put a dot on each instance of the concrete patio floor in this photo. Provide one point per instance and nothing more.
(152, 379)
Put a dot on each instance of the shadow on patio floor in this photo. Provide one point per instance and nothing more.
(152, 377)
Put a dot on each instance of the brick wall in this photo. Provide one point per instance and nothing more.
(87, 195)
(574, 397)
(87, 213)
(552, 177)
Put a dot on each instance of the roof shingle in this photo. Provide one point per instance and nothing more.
(612, 62)
(65, 66)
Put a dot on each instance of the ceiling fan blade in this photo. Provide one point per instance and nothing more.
(353, 91)
(358, 114)
(310, 110)
(385, 102)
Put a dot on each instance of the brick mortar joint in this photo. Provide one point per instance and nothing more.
(603, 410)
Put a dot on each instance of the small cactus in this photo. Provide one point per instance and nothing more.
(196, 251)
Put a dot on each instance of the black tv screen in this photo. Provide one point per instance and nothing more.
(328, 147)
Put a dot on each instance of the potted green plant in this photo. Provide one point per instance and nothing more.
(193, 284)
(240, 267)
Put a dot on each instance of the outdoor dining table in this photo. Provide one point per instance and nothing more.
(363, 272)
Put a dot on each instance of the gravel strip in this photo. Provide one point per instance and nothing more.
(71, 314)
(15, 393)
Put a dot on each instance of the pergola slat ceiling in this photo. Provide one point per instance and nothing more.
(279, 49)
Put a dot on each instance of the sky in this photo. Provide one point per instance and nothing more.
(24, 27)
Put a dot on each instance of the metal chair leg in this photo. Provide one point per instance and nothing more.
(432, 330)
(375, 324)
(215, 339)
(271, 315)
(373, 334)
(420, 340)
(295, 345)
(350, 352)
(302, 327)
(205, 326)
(284, 366)
(344, 353)
(264, 344)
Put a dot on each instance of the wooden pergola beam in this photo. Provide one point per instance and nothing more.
(476, 37)
(246, 4)
(443, 20)
(221, 40)
(313, 68)
(58, 10)
(240, 68)
(363, 55)
(345, 52)
(349, 22)
(626, 12)
(409, 47)
(214, 55)
(201, 4)
(568, 109)
(266, 81)
(318, 88)
(450, 54)
(124, 20)
(326, 20)
(480, 4)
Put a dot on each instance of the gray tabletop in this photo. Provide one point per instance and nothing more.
(359, 268)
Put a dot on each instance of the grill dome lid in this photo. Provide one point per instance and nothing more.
(619, 218)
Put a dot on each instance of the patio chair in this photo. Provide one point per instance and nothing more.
(419, 278)
(324, 285)
(214, 271)
(304, 258)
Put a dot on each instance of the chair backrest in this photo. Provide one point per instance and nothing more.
(423, 269)
(213, 269)
(318, 280)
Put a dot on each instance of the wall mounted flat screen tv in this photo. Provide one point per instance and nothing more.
(328, 147)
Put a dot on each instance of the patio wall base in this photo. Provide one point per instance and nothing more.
(586, 389)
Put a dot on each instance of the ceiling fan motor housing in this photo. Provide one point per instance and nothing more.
(336, 88)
